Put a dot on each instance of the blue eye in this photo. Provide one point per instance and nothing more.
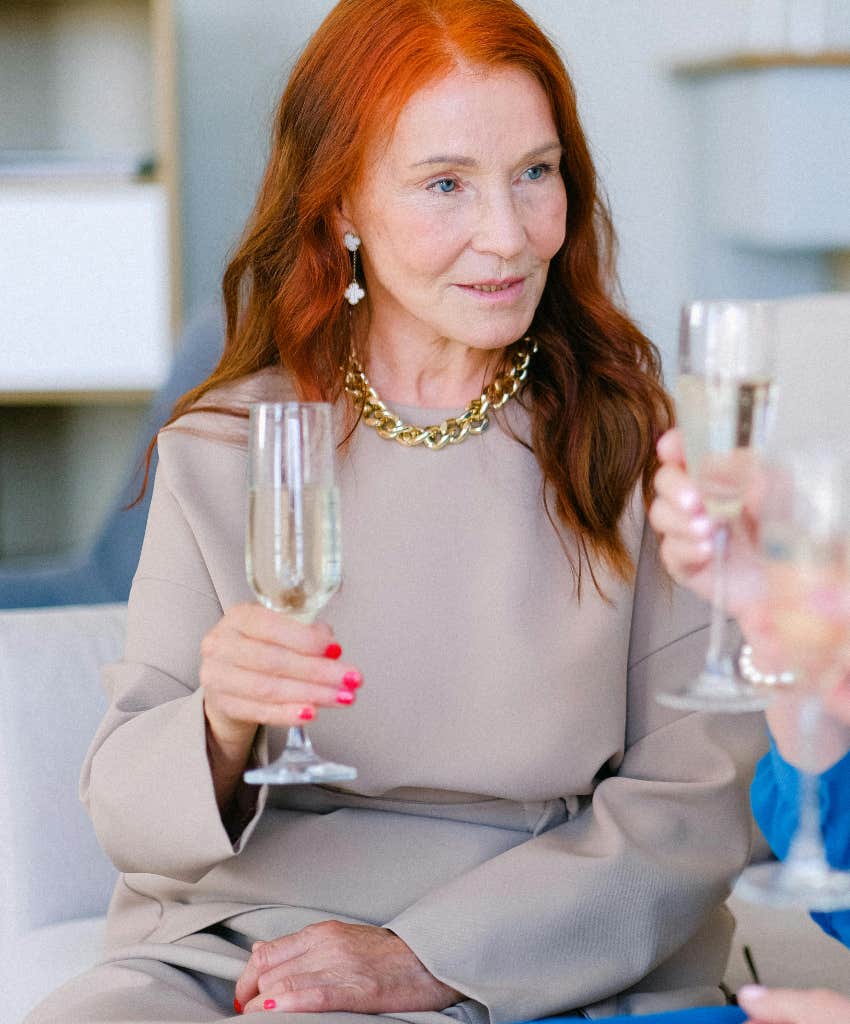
(536, 172)
(445, 185)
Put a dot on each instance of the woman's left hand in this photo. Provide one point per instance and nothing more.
(339, 967)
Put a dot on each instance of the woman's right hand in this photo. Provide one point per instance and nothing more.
(677, 514)
(261, 667)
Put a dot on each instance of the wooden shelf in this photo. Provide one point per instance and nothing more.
(98, 397)
(754, 60)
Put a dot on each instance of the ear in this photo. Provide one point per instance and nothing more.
(342, 217)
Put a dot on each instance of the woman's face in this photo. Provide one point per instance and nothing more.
(461, 212)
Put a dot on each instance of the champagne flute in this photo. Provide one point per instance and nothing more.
(724, 400)
(293, 556)
(805, 546)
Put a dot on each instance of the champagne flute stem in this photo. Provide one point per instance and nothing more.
(297, 741)
(806, 849)
(717, 657)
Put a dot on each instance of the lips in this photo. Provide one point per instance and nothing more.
(489, 287)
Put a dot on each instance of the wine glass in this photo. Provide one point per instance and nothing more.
(725, 403)
(805, 547)
(293, 556)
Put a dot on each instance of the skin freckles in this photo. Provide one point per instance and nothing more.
(467, 192)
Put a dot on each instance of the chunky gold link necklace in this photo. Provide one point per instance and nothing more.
(473, 420)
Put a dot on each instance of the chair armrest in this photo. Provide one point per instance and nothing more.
(51, 702)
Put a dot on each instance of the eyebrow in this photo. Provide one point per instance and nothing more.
(467, 161)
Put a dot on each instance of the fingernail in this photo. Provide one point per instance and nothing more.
(689, 500)
(333, 651)
(752, 991)
(269, 1004)
(237, 1006)
(352, 680)
(306, 714)
(345, 697)
(701, 526)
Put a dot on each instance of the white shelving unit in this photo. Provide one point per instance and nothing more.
(88, 254)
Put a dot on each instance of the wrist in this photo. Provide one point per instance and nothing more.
(783, 719)
(762, 672)
(228, 740)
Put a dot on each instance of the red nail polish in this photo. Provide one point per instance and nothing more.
(333, 651)
(352, 680)
(269, 1004)
(306, 714)
(237, 1006)
(345, 697)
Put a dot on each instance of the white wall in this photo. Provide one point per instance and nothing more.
(641, 120)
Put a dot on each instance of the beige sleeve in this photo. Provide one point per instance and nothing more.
(146, 780)
(589, 908)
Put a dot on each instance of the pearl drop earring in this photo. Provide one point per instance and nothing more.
(354, 292)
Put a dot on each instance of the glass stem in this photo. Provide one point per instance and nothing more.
(717, 657)
(297, 741)
(806, 849)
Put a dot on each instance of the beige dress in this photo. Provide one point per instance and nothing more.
(543, 835)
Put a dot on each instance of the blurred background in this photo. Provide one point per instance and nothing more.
(132, 138)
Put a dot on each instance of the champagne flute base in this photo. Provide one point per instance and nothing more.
(808, 887)
(294, 772)
(714, 692)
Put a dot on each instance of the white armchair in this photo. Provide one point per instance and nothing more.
(55, 881)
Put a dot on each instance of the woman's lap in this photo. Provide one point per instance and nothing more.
(130, 992)
(148, 991)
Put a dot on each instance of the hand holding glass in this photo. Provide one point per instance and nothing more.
(724, 403)
(805, 546)
(293, 556)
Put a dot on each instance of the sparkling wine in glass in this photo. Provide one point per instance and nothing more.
(725, 404)
(293, 556)
(805, 546)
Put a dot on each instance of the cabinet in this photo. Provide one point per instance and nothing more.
(775, 148)
(89, 254)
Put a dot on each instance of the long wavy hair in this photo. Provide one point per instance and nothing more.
(594, 392)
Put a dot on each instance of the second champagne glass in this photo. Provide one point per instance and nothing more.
(724, 403)
(805, 543)
(293, 556)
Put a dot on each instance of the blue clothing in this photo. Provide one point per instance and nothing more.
(774, 800)
(706, 1015)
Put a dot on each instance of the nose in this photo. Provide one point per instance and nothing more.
(500, 229)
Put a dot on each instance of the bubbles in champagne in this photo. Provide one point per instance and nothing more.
(809, 600)
(293, 550)
(723, 420)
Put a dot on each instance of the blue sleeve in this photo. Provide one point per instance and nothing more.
(774, 800)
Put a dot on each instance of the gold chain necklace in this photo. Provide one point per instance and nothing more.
(473, 420)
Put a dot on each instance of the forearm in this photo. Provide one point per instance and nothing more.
(162, 817)
(613, 892)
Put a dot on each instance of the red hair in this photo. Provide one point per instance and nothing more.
(594, 391)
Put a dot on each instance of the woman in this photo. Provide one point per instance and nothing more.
(680, 519)
(529, 833)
